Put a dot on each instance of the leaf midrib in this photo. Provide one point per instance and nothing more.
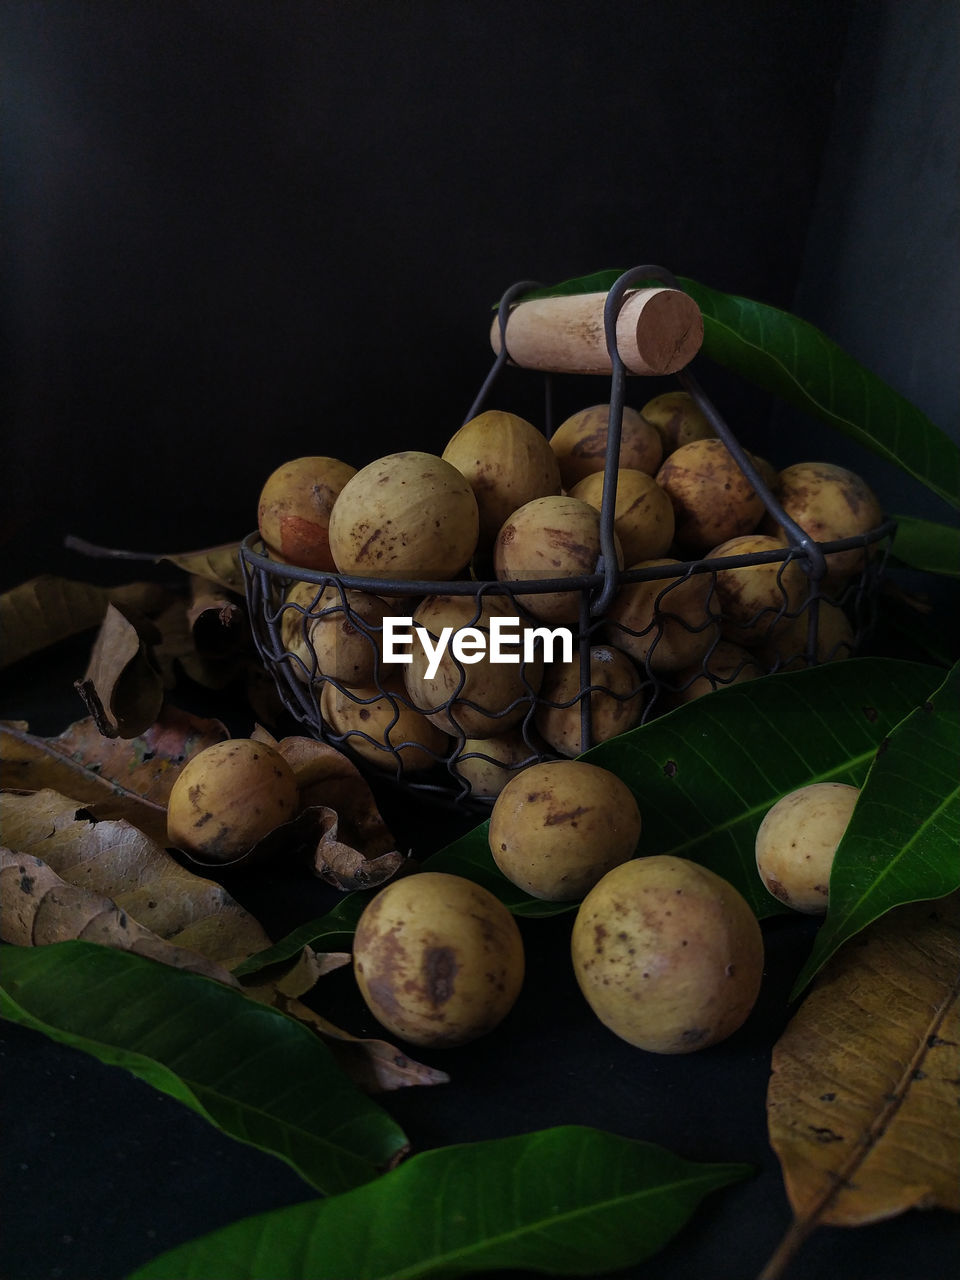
(571, 1215)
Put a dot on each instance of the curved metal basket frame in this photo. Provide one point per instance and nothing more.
(267, 583)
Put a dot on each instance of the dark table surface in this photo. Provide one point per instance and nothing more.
(100, 1172)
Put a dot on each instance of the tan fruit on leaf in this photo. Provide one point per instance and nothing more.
(558, 827)
(797, 840)
(294, 510)
(438, 959)
(668, 955)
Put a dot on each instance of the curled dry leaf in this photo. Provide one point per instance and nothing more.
(374, 1065)
(862, 1102)
(40, 612)
(113, 778)
(39, 907)
(205, 635)
(117, 861)
(327, 778)
(122, 688)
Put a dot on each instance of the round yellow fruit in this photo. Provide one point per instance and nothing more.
(642, 514)
(665, 623)
(438, 959)
(797, 841)
(712, 499)
(558, 827)
(405, 516)
(616, 700)
(678, 419)
(228, 797)
(580, 443)
(480, 698)
(668, 955)
(507, 461)
(829, 503)
(382, 728)
(550, 538)
(753, 597)
(293, 513)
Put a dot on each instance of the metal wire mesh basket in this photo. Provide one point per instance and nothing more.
(639, 646)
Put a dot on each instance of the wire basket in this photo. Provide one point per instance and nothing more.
(460, 746)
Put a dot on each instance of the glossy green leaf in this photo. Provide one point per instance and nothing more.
(902, 841)
(796, 361)
(705, 774)
(567, 1201)
(258, 1075)
(925, 545)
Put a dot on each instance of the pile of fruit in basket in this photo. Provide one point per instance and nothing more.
(505, 505)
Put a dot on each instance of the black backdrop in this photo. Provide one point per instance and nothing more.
(240, 232)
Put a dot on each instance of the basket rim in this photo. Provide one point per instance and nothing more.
(671, 568)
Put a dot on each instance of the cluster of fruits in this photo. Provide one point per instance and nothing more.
(504, 504)
(667, 954)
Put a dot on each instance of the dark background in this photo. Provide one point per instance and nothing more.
(237, 232)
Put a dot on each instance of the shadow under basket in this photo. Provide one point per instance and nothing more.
(642, 640)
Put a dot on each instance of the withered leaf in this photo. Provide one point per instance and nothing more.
(862, 1102)
(342, 865)
(374, 1065)
(38, 613)
(116, 860)
(327, 778)
(40, 907)
(219, 564)
(122, 688)
(113, 777)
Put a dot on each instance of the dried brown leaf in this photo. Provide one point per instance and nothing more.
(113, 778)
(122, 688)
(327, 778)
(117, 861)
(220, 565)
(862, 1102)
(345, 867)
(47, 609)
(40, 907)
(374, 1065)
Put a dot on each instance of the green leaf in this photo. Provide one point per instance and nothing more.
(258, 1075)
(901, 843)
(922, 544)
(796, 361)
(705, 774)
(567, 1201)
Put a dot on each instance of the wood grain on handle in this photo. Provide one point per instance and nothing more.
(659, 331)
